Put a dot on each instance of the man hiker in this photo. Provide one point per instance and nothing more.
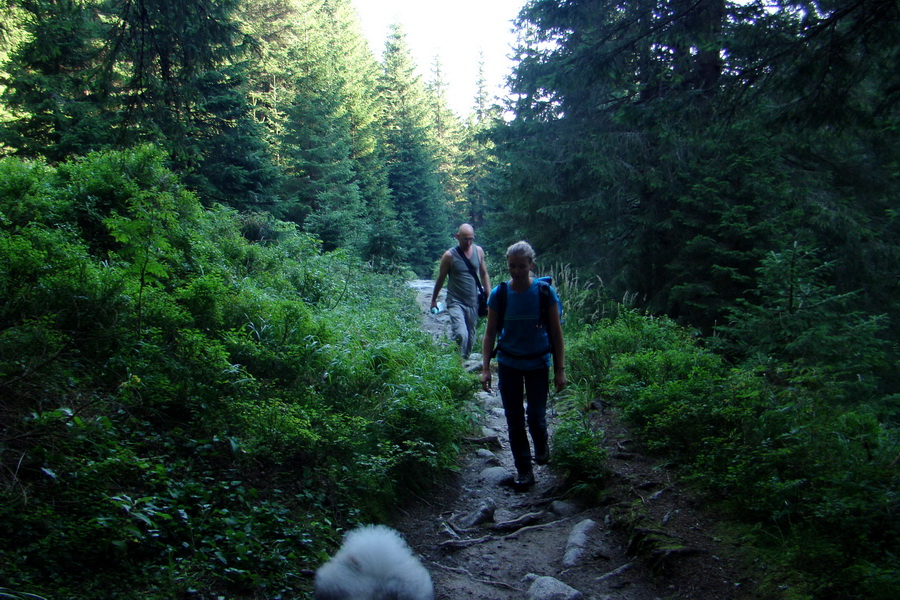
(466, 266)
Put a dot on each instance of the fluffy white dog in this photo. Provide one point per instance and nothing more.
(374, 563)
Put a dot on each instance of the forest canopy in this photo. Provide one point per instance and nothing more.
(275, 106)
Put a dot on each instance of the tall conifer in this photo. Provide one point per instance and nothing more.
(667, 146)
(113, 73)
(316, 144)
(447, 132)
(411, 158)
(55, 94)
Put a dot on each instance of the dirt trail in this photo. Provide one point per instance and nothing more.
(647, 540)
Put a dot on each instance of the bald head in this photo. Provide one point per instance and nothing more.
(465, 236)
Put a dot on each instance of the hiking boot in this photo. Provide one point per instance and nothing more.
(542, 454)
(524, 479)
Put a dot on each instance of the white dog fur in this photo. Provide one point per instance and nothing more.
(374, 563)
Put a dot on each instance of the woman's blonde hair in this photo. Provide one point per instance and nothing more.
(521, 248)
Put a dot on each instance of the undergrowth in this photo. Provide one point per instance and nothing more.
(808, 471)
(189, 411)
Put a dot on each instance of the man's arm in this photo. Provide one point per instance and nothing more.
(443, 270)
(485, 278)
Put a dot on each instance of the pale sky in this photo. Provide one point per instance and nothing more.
(454, 30)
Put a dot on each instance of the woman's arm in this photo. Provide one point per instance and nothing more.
(487, 347)
(554, 330)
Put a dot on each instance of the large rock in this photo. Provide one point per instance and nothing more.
(564, 508)
(497, 476)
(578, 542)
(549, 588)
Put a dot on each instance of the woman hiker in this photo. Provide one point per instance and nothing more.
(530, 339)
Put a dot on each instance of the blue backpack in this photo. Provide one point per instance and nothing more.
(544, 298)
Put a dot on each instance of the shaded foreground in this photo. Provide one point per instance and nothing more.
(647, 539)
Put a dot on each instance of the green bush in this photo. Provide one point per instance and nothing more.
(591, 353)
(578, 451)
(776, 445)
(186, 408)
(27, 195)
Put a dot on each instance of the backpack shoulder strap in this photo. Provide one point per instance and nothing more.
(544, 297)
(502, 293)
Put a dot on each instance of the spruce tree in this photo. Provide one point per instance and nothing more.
(411, 157)
(447, 132)
(668, 146)
(114, 73)
(316, 147)
(56, 96)
(177, 72)
(380, 238)
(12, 33)
(477, 161)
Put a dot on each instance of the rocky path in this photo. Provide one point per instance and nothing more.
(645, 540)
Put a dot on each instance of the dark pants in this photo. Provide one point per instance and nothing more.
(514, 386)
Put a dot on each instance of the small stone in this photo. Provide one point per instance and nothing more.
(482, 514)
(577, 542)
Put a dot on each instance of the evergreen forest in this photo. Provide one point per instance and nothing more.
(211, 364)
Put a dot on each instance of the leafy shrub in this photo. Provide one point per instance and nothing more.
(591, 353)
(578, 451)
(775, 444)
(186, 409)
(796, 318)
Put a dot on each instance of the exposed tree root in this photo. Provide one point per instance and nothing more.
(491, 538)
(519, 522)
(468, 574)
(615, 572)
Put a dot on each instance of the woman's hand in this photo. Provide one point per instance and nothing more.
(486, 380)
(559, 380)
